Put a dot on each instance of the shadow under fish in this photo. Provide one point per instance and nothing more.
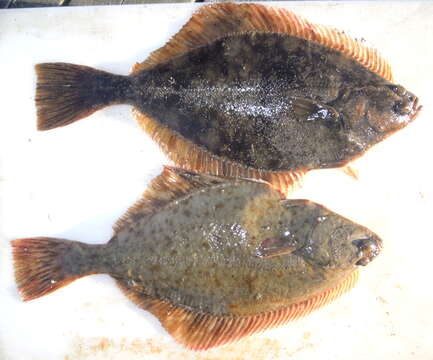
(244, 90)
(213, 259)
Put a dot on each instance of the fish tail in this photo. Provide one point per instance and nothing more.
(43, 265)
(66, 93)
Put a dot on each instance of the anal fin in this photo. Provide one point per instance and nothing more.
(201, 331)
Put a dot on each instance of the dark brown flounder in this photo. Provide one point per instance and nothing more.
(244, 90)
(215, 260)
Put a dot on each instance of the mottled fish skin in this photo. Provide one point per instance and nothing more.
(256, 104)
(213, 259)
(273, 102)
(205, 251)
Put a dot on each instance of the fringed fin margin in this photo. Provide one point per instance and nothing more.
(66, 93)
(41, 265)
(200, 331)
(214, 21)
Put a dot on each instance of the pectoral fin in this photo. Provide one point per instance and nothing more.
(272, 247)
(312, 110)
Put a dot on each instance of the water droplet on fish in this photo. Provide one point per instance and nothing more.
(320, 114)
(308, 249)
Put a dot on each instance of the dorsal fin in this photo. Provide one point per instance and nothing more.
(215, 21)
(201, 331)
(171, 184)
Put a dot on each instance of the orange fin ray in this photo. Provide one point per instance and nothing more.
(192, 157)
(38, 264)
(351, 171)
(215, 21)
(66, 93)
(198, 331)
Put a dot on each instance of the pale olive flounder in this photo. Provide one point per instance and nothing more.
(214, 259)
(244, 90)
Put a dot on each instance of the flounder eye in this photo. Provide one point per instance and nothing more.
(397, 89)
(402, 107)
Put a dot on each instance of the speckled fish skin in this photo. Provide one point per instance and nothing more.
(273, 102)
(213, 259)
(207, 251)
(262, 101)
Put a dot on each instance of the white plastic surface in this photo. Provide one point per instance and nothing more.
(74, 182)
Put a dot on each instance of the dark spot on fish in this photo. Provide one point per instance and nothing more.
(136, 217)
(233, 306)
(187, 213)
(219, 205)
(173, 99)
(155, 268)
(217, 282)
(168, 241)
(249, 281)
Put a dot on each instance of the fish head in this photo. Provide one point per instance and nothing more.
(337, 242)
(330, 241)
(391, 108)
(373, 113)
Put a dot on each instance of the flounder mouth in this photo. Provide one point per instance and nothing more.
(368, 248)
(415, 110)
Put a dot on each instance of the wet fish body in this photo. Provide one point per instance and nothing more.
(198, 251)
(272, 102)
(268, 97)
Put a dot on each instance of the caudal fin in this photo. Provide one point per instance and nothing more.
(66, 93)
(43, 265)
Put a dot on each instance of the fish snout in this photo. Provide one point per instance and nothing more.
(368, 249)
(407, 104)
(415, 108)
